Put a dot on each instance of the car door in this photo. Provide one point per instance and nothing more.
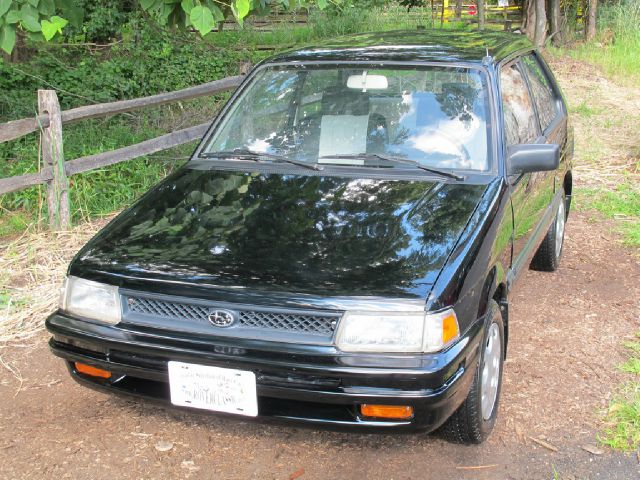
(531, 193)
(552, 113)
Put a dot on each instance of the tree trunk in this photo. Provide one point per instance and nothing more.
(18, 53)
(458, 10)
(540, 33)
(528, 18)
(481, 14)
(591, 22)
(554, 21)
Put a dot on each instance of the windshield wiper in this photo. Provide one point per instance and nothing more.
(388, 158)
(245, 153)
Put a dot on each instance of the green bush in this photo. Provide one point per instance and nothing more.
(157, 62)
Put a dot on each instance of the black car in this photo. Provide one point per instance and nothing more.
(340, 248)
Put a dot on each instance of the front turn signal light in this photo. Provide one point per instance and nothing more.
(450, 330)
(396, 412)
(92, 371)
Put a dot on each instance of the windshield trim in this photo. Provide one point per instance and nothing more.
(350, 171)
(251, 77)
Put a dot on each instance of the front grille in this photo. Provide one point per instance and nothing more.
(314, 323)
(289, 322)
(160, 308)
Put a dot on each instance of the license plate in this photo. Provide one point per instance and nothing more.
(213, 388)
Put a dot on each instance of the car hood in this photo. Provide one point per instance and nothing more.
(298, 234)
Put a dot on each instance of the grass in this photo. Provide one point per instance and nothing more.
(623, 415)
(323, 25)
(584, 110)
(31, 268)
(98, 192)
(93, 193)
(621, 204)
(616, 46)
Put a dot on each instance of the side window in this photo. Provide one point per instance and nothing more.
(520, 122)
(543, 94)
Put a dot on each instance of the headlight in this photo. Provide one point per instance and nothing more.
(396, 332)
(91, 300)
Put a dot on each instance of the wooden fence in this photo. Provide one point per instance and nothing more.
(55, 170)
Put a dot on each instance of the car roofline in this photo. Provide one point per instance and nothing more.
(406, 45)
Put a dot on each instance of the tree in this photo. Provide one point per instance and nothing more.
(458, 9)
(540, 27)
(481, 14)
(554, 21)
(590, 27)
(37, 19)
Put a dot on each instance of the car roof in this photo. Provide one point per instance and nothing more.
(417, 45)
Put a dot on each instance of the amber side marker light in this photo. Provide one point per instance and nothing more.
(450, 329)
(92, 371)
(397, 412)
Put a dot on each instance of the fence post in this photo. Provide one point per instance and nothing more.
(244, 67)
(53, 156)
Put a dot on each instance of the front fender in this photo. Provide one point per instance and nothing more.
(479, 262)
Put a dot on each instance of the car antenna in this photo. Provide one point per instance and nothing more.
(487, 59)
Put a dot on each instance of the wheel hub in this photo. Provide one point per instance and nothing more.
(491, 371)
(560, 220)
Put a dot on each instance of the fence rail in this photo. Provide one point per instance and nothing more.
(56, 170)
(19, 128)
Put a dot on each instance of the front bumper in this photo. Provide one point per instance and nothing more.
(302, 383)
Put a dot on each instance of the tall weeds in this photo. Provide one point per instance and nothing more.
(616, 48)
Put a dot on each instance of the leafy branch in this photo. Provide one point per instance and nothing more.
(38, 19)
(46, 19)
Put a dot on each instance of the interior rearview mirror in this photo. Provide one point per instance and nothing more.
(367, 82)
(532, 157)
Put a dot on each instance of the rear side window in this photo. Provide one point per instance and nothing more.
(543, 94)
(520, 123)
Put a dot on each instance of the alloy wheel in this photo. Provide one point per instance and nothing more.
(491, 371)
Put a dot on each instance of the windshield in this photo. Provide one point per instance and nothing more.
(437, 116)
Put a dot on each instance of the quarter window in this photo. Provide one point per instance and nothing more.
(519, 116)
(543, 94)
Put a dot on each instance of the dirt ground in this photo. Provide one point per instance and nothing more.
(566, 329)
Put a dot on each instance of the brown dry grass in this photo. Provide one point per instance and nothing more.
(32, 268)
(605, 116)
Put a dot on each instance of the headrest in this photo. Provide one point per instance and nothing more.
(342, 101)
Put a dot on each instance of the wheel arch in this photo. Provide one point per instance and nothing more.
(495, 288)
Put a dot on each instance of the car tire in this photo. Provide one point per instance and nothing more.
(547, 257)
(473, 421)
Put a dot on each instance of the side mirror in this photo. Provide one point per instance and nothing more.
(532, 157)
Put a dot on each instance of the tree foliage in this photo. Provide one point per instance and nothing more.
(38, 19)
(205, 15)
(46, 19)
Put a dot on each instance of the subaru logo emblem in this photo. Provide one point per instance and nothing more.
(222, 318)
